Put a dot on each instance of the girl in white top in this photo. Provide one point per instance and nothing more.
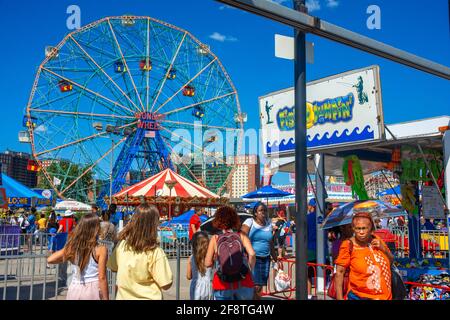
(89, 261)
(200, 276)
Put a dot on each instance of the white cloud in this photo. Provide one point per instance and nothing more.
(332, 3)
(222, 38)
(312, 5)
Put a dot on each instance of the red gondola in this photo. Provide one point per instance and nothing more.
(145, 64)
(65, 86)
(189, 91)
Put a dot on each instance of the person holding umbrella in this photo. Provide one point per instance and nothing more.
(368, 260)
(259, 230)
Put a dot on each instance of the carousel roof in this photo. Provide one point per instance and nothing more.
(156, 186)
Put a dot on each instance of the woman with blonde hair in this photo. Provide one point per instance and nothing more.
(141, 265)
(88, 259)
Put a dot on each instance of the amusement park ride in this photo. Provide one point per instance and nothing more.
(147, 87)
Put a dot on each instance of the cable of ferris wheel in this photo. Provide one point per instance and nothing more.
(198, 103)
(194, 145)
(88, 90)
(187, 83)
(126, 65)
(103, 71)
(167, 72)
(182, 162)
(114, 146)
(82, 140)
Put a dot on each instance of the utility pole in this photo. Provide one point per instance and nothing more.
(301, 196)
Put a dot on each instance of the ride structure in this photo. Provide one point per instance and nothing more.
(126, 97)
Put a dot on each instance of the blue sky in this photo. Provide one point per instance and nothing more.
(245, 45)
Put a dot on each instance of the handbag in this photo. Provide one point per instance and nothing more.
(331, 292)
(398, 288)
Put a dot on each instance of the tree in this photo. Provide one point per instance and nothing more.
(68, 172)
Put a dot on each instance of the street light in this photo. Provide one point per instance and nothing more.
(170, 184)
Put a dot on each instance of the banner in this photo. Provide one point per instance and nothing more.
(343, 109)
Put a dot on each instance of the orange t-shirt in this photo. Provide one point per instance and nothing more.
(370, 271)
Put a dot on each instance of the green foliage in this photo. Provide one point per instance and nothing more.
(68, 172)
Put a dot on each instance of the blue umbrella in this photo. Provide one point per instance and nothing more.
(343, 215)
(250, 205)
(267, 192)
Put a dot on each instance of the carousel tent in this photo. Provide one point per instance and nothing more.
(156, 187)
(183, 194)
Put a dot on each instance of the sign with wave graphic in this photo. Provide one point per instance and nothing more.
(341, 110)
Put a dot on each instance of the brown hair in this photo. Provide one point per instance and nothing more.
(226, 218)
(82, 241)
(200, 242)
(366, 215)
(140, 234)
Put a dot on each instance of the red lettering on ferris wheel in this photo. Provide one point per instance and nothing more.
(149, 116)
(148, 125)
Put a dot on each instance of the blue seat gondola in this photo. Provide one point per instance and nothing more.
(198, 112)
(119, 67)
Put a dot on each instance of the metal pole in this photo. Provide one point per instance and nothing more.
(446, 165)
(111, 172)
(178, 268)
(320, 215)
(301, 196)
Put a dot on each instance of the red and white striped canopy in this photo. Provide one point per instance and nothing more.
(156, 186)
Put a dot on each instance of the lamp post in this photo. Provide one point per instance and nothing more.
(170, 184)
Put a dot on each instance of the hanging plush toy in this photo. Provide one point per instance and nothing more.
(408, 198)
(353, 176)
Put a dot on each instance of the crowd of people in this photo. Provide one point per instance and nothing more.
(232, 263)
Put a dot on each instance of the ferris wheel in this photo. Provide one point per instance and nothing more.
(125, 97)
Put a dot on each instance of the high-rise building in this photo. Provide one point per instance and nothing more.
(246, 176)
(14, 164)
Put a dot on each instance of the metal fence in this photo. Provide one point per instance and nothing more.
(434, 243)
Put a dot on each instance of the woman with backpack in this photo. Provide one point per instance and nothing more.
(199, 275)
(234, 256)
(259, 230)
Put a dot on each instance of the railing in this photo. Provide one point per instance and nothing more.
(321, 275)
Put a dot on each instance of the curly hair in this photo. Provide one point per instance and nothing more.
(225, 218)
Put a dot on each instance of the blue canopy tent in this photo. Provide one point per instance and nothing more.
(18, 195)
(183, 219)
(266, 192)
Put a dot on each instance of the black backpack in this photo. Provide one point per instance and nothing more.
(232, 261)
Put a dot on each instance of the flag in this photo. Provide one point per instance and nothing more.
(149, 134)
(56, 181)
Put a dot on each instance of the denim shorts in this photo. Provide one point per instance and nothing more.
(242, 293)
(352, 296)
(260, 273)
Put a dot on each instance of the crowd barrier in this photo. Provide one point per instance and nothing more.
(320, 276)
(434, 243)
(27, 277)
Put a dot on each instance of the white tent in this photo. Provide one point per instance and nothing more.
(72, 205)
